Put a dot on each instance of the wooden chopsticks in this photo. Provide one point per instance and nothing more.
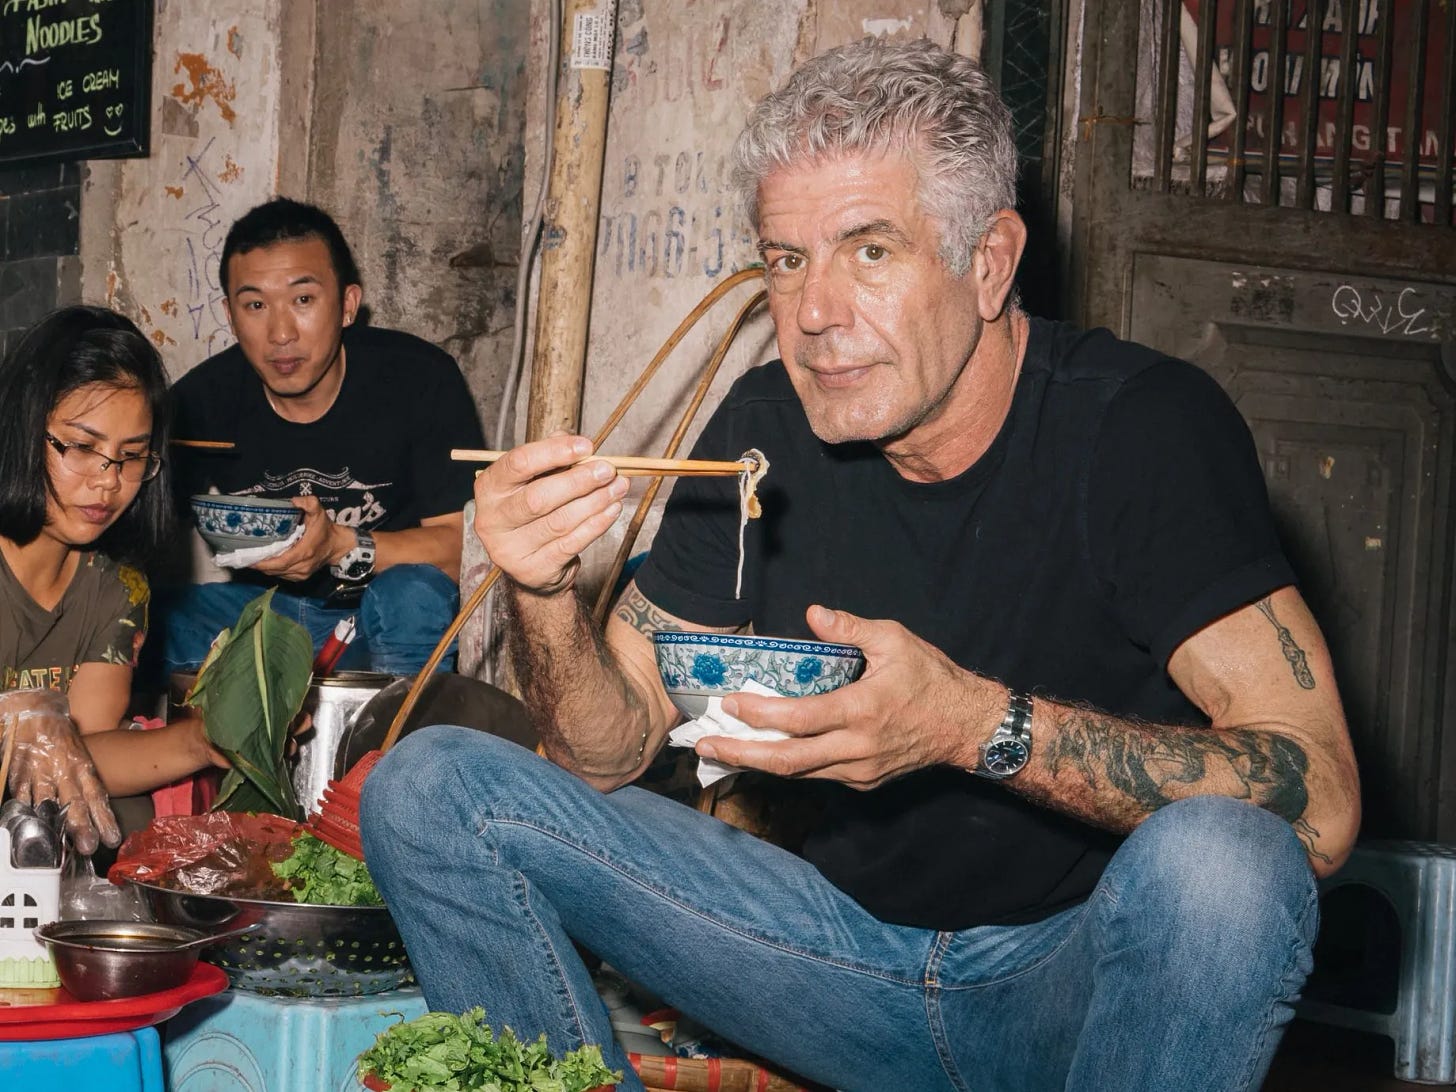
(634, 466)
(211, 445)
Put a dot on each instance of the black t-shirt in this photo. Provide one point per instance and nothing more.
(379, 459)
(1120, 510)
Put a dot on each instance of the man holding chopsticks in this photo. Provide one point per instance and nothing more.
(1072, 814)
(352, 423)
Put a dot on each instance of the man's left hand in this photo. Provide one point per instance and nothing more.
(321, 544)
(912, 708)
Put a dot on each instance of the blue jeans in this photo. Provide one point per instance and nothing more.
(1178, 973)
(404, 611)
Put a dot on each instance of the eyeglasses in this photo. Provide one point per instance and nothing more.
(87, 461)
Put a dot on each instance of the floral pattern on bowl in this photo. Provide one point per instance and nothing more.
(231, 523)
(698, 666)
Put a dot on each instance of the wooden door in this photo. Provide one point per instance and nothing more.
(1320, 290)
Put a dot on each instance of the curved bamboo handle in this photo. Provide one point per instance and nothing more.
(411, 699)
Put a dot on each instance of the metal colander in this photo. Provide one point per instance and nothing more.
(292, 949)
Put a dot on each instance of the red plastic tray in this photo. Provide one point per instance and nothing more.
(60, 1016)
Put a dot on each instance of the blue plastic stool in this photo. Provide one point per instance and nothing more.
(128, 1061)
(1418, 881)
(247, 1042)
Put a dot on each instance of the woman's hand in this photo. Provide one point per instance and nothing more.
(49, 762)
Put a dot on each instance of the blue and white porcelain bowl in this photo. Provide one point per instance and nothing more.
(698, 666)
(235, 523)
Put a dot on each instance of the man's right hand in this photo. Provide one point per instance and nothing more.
(539, 506)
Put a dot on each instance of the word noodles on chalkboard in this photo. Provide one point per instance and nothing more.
(75, 79)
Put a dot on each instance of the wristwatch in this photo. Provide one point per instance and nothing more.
(1009, 748)
(358, 564)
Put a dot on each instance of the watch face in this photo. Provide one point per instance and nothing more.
(1005, 756)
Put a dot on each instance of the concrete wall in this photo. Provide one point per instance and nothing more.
(416, 148)
(686, 74)
(39, 238)
(404, 120)
(152, 228)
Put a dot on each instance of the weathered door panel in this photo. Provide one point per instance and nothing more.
(1352, 404)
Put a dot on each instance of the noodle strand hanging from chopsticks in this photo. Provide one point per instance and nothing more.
(748, 506)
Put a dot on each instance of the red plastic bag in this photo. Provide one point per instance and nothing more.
(220, 853)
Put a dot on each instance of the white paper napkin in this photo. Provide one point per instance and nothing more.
(251, 555)
(715, 722)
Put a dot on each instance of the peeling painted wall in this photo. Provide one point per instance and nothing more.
(152, 228)
(416, 148)
(686, 74)
(403, 120)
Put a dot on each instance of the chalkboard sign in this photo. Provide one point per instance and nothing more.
(75, 79)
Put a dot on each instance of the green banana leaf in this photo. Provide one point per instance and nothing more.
(249, 690)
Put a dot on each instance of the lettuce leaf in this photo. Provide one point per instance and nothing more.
(318, 873)
(442, 1052)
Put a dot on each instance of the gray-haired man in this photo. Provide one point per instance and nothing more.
(1032, 532)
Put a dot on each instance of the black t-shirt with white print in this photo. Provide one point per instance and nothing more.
(379, 459)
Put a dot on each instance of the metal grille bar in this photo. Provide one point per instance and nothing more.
(1239, 82)
(1310, 87)
(1202, 74)
(1167, 95)
(1448, 118)
(1380, 118)
(1278, 64)
(1410, 184)
(1345, 108)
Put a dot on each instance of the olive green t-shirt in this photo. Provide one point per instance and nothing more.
(101, 618)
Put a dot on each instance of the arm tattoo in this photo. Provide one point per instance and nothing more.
(1292, 652)
(637, 611)
(1146, 766)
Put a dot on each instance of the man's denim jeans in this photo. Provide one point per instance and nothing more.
(1177, 974)
(404, 611)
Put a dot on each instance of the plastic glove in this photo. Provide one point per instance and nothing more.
(51, 763)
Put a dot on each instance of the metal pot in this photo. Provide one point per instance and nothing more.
(105, 960)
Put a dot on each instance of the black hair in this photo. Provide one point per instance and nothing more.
(69, 349)
(285, 220)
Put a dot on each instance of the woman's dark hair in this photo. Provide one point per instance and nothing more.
(283, 220)
(69, 349)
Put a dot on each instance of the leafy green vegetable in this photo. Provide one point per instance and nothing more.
(442, 1052)
(249, 689)
(318, 873)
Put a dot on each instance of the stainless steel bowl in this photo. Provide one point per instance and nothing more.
(292, 949)
(105, 960)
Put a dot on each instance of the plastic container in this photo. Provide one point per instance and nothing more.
(29, 898)
(126, 1061)
(247, 1042)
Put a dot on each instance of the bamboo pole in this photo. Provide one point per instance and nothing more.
(573, 208)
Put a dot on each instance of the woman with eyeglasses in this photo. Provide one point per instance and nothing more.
(83, 498)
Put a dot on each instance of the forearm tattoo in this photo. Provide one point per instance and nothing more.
(1298, 662)
(1147, 766)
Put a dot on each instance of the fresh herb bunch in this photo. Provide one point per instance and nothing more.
(318, 873)
(442, 1052)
